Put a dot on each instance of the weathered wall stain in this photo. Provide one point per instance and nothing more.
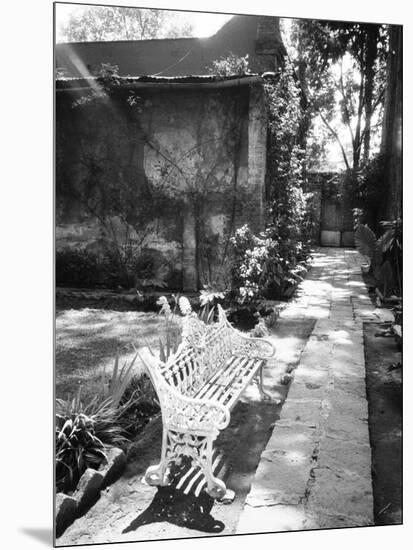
(176, 173)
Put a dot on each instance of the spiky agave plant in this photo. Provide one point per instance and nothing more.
(83, 432)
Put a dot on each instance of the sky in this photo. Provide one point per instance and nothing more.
(204, 24)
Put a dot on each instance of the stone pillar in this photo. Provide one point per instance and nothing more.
(257, 157)
(189, 270)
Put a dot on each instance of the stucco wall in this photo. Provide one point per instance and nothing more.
(186, 168)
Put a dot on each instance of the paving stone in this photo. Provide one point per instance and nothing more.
(281, 477)
(311, 375)
(354, 386)
(347, 404)
(314, 389)
(273, 519)
(348, 457)
(317, 312)
(318, 349)
(351, 354)
(302, 410)
(342, 494)
(336, 521)
(346, 426)
(301, 439)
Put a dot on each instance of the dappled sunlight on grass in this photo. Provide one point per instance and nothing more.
(87, 341)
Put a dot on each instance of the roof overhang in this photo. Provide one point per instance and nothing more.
(158, 83)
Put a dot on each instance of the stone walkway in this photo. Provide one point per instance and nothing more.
(315, 471)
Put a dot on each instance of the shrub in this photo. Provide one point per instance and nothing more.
(130, 267)
(230, 65)
(368, 186)
(83, 432)
(265, 266)
(140, 403)
(385, 254)
(77, 267)
(126, 267)
(272, 263)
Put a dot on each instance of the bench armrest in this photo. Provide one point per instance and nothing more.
(252, 347)
(247, 345)
(183, 413)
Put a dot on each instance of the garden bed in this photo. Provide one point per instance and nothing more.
(384, 393)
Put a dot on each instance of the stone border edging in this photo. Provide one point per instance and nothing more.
(91, 483)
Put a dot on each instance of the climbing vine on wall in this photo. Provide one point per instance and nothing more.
(111, 182)
(271, 264)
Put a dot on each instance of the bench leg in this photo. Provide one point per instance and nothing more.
(216, 488)
(198, 448)
(157, 474)
(263, 394)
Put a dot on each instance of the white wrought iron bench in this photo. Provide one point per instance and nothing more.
(197, 388)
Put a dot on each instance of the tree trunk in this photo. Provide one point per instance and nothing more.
(371, 54)
(357, 136)
(391, 144)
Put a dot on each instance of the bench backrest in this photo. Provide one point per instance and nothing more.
(204, 349)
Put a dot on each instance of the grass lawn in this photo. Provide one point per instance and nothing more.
(87, 340)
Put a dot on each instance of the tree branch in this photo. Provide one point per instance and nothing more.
(334, 133)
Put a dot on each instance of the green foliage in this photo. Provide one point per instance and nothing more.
(385, 254)
(127, 267)
(264, 267)
(96, 23)
(286, 161)
(130, 266)
(85, 429)
(341, 70)
(208, 297)
(260, 330)
(230, 65)
(272, 263)
(83, 432)
(77, 267)
(170, 338)
(365, 240)
(369, 185)
(119, 381)
(171, 332)
(139, 390)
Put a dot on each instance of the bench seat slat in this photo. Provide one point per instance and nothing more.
(206, 391)
(237, 373)
(253, 370)
(230, 376)
(231, 395)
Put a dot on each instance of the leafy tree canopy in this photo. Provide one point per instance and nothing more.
(341, 70)
(105, 23)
